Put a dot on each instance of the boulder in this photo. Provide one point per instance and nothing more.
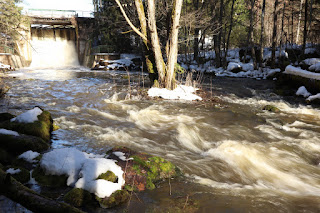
(48, 180)
(22, 143)
(115, 199)
(41, 128)
(78, 197)
(271, 108)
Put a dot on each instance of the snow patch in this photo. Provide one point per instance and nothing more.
(121, 156)
(8, 132)
(233, 66)
(181, 93)
(311, 61)
(29, 156)
(4, 66)
(29, 116)
(13, 171)
(82, 170)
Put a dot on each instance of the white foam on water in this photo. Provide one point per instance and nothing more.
(260, 166)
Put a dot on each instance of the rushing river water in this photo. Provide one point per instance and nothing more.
(242, 159)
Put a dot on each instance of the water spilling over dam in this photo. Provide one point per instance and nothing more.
(53, 47)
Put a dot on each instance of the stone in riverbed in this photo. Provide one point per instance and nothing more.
(115, 199)
(48, 180)
(78, 197)
(41, 128)
(271, 108)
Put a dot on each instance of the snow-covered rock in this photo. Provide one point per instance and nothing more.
(82, 170)
(29, 116)
(29, 156)
(300, 72)
(313, 97)
(315, 67)
(311, 61)
(13, 171)
(234, 67)
(303, 92)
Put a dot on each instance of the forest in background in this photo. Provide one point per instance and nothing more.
(216, 25)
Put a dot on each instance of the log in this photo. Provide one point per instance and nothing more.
(31, 200)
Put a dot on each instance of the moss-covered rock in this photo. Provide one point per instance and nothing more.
(22, 143)
(23, 176)
(145, 170)
(271, 108)
(115, 199)
(156, 168)
(48, 180)
(109, 176)
(41, 128)
(78, 197)
(55, 127)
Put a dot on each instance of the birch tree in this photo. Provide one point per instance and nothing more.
(149, 33)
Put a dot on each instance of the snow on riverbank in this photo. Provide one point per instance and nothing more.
(304, 92)
(180, 93)
(29, 116)
(83, 170)
(300, 72)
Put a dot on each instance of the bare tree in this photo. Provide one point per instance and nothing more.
(274, 34)
(262, 31)
(150, 36)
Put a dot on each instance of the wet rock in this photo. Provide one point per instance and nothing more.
(6, 116)
(41, 128)
(78, 197)
(22, 143)
(48, 180)
(5, 157)
(115, 199)
(271, 108)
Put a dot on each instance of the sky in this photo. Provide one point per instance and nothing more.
(84, 5)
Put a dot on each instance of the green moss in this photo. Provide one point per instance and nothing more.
(41, 128)
(109, 176)
(78, 197)
(115, 199)
(157, 169)
(271, 108)
(48, 180)
(55, 127)
(22, 143)
(23, 176)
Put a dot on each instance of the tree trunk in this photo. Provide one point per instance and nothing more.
(262, 31)
(282, 25)
(30, 199)
(196, 35)
(250, 36)
(155, 42)
(230, 29)
(299, 21)
(305, 26)
(173, 47)
(218, 45)
(274, 34)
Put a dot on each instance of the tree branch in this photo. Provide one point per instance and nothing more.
(129, 22)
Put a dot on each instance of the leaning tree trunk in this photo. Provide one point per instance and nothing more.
(274, 34)
(30, 199)
(173, 47)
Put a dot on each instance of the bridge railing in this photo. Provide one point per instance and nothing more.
(48, 13)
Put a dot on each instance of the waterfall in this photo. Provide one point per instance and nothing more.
(53, 48)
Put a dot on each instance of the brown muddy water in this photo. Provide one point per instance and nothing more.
(237, 157)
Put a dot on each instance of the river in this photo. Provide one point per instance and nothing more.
(237, 157)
